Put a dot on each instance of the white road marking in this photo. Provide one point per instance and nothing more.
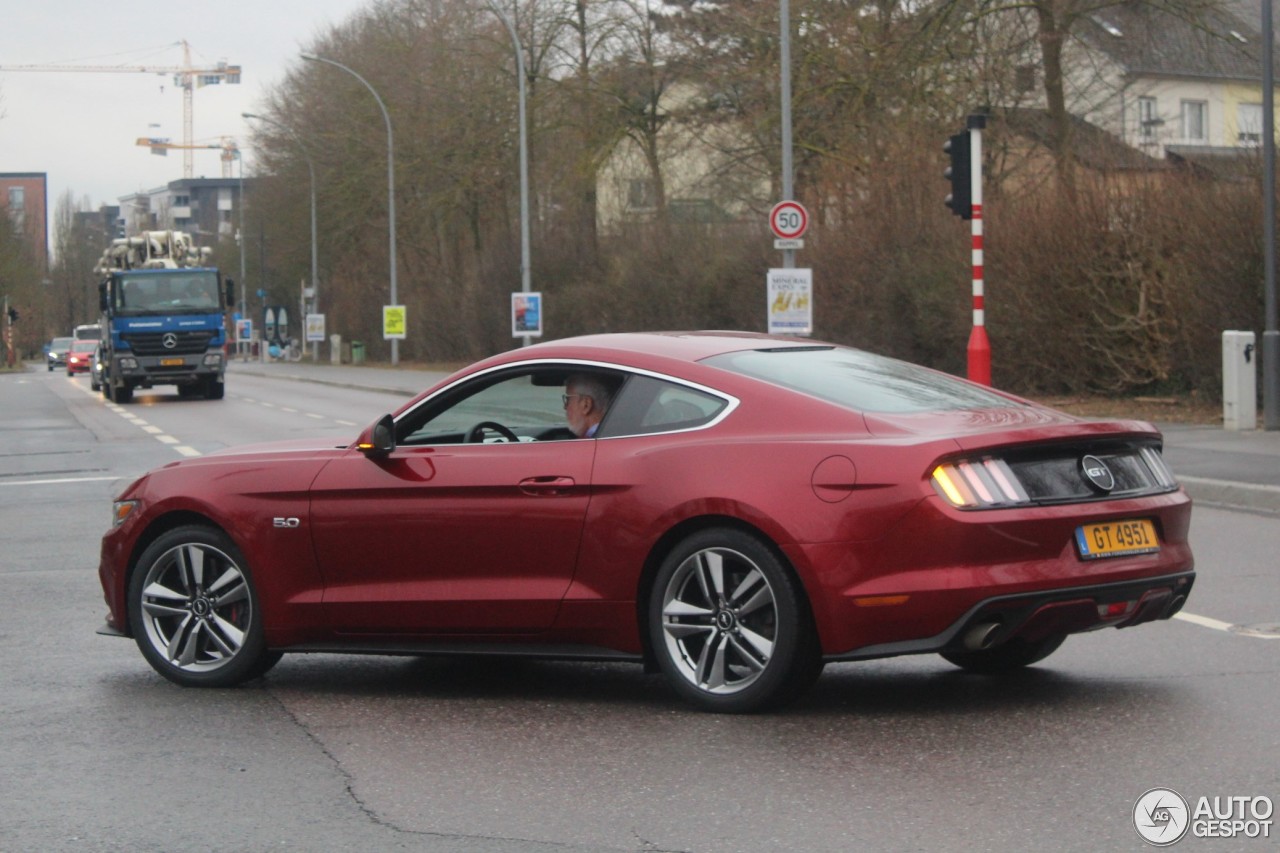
(1225, 627)
(58, 480)
(1203, 621)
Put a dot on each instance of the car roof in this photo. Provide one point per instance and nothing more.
(688, 346)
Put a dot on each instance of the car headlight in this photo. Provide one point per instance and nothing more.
(213, 359)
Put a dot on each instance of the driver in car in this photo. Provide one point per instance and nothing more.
(586, 398)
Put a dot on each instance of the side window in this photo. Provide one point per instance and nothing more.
(526, 403)
(647, 405)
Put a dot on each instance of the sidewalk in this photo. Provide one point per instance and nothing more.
(1216, 466)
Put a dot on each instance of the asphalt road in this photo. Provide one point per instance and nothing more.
(337, 753)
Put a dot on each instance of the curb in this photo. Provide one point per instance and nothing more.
(1231, 494)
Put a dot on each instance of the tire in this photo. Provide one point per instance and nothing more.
(730, 625)
(214, 389)
(94, 385)
(194, 612)
(1006, 657)
(119, 394)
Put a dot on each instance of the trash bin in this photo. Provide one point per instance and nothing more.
(357, 352)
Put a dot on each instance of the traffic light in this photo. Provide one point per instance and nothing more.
(13, 315)
(959, 174)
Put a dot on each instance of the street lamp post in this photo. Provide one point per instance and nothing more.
(240, 240)
(391, 183)
(311, 168)
(1271, 333)
(525, 270)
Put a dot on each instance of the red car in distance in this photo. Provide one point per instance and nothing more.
(750, 509)
(80, 357)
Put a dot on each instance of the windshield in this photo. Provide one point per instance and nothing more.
(168, 292)
(859, 380)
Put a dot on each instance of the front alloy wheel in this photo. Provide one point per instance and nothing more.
(731, 627)
(194, 612)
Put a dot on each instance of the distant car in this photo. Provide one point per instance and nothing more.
(88, 332)
(749, 509)
(95, 369)
(80, 356)
(57, 352)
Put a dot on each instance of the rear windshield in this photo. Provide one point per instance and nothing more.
(859, 380)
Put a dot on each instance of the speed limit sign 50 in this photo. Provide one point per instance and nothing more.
(789, 220)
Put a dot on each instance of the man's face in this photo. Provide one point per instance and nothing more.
(576, 408)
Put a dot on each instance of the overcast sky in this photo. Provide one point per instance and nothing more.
(80, 128)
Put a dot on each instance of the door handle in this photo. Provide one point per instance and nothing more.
(546, 486)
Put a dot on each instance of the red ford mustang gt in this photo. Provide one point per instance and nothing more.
(749, 509)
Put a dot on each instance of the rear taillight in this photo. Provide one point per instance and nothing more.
(979, 483)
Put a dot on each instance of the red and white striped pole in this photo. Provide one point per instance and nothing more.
(979, 346)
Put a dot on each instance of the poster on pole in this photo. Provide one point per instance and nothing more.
(394, 322)
(315, 328)
(526, 315)
(790, 301)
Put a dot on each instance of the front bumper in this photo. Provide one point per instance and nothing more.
(172, 370)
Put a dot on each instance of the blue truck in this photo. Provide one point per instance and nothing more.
(163, 317)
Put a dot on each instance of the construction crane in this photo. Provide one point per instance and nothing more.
(164, 146)
(187, 76)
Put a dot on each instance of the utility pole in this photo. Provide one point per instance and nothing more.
(1271, 334)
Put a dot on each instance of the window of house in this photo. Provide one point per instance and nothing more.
(1249, 124)
(1148, 119)
(1025, 78)
(1195, 121)
(641, 194)
(18, 208)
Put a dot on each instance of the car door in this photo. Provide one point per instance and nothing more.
(447, 536)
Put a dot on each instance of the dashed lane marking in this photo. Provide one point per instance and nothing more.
(1227, 627)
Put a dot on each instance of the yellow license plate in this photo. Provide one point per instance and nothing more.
(1117, 539)
(171, 362)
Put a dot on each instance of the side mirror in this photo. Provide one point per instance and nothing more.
(231, 293)
(102, 296)
(379, 439)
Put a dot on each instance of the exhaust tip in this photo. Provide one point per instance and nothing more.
(1175, 605)
(981, 636)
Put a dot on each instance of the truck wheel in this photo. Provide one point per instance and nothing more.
(120, 394)
(214, 389)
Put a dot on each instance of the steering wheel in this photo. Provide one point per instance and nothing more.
(476, 433)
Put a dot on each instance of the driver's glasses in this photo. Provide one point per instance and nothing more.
(565, 398)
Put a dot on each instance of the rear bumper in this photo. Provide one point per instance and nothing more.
(1034, 616)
